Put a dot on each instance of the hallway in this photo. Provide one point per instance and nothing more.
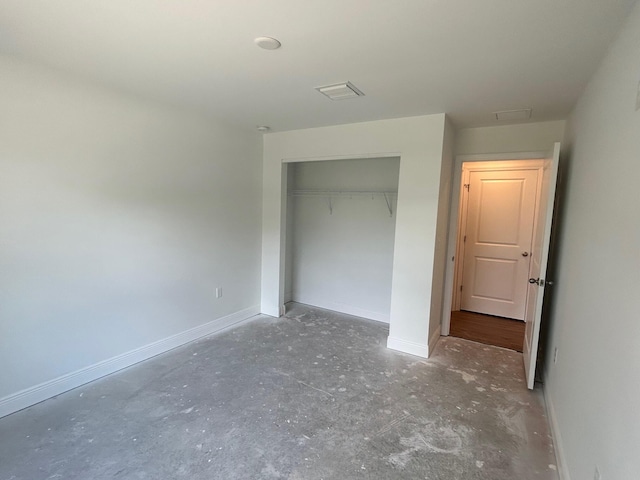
(487, 329)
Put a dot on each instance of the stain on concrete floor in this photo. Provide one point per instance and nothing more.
(314, 395)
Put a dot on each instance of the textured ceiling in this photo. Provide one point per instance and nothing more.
(467, 58)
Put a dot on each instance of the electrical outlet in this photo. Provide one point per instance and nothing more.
(596, 474)
(555, 355)
(218, 292)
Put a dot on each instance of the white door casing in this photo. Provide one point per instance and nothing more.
(539, 259)
(500, 212)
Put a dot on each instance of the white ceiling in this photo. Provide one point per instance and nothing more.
(410, 57)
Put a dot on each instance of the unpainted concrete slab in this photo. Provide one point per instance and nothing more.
(313, 395)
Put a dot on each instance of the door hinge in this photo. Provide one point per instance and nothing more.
(460, 287)
(467, 185)
(464, 239)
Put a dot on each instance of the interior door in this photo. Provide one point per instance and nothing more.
(499, 232)
(539, 258)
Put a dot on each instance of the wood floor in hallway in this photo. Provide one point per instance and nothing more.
(487, 329)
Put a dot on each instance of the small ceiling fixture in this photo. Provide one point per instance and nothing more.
(521, 114)
(268, 43)
(263, 128)
(340, 91)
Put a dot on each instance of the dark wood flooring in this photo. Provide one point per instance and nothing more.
(498, 331)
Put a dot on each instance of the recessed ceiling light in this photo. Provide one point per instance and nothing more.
(340, 91)
(263, 128)
(521, 114)
(267, 43)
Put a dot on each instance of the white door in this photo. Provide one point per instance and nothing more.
(499, 231)
(539, 257)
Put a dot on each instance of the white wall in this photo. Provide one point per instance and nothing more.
(524, 137)
(439, 293)
(418, 141)
(343, 260)
(288, 281)
(594, 387)
(118, 218)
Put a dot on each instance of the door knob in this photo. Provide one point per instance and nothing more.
(525, 254)
(537, 281)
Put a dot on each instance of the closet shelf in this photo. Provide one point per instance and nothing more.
(329, 194)
(339, 193)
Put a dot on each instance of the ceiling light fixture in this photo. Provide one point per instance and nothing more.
(263, 128)
(521, 114)
(268, 43)
(340, 91)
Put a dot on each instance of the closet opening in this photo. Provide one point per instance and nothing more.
(340, 234)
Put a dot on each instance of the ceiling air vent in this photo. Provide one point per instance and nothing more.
(340, 91)
(507, 115)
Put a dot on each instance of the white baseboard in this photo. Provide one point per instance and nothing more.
(433, 340)
(340, 307)
(563, 472)
(36, 394)
(412, 348)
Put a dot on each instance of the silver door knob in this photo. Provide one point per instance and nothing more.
(525, 254)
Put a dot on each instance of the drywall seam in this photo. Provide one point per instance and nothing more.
(412, 348)
(316, 301)
(563, 471)
(30, 396)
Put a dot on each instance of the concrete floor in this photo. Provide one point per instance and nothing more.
(314, 395)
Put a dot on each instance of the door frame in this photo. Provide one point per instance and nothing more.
(454, 220)
(486, 166)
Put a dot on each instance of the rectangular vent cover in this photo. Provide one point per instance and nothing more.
(505, 115)
(340, 91)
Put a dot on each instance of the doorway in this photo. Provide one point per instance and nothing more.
(496, 224)
(539, 255)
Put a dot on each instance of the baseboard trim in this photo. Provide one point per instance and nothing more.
(341, 308)
(412, 348)
(563, 472)
(38, 393)
(433, 340)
